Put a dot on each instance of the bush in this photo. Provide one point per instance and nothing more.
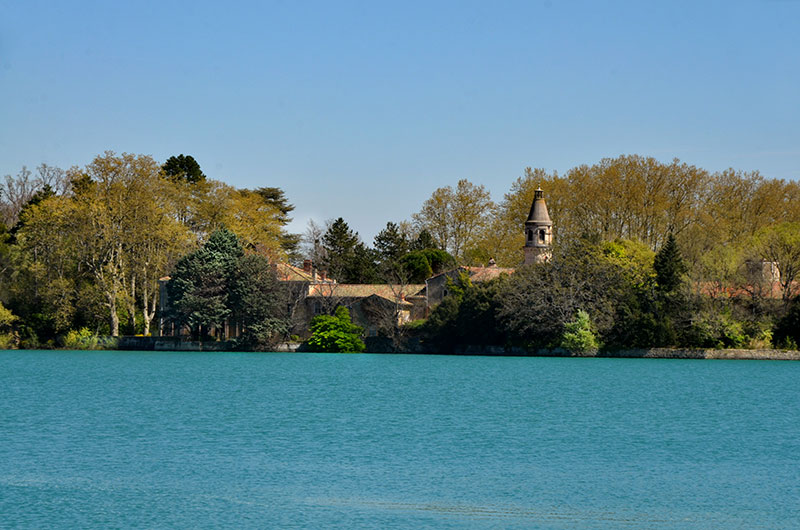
(716, 330)
(7, 341)
(578, 336)
(336, 334)
(83, 339)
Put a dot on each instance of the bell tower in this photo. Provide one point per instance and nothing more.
(538, 232)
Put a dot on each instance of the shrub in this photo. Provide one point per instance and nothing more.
(578, 336)
(84, 339)
(7, 341)
(336, 334)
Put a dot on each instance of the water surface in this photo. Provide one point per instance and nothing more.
(181, 440)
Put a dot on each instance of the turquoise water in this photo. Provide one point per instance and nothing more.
(186, 440)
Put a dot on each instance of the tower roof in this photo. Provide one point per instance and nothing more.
(539, 213)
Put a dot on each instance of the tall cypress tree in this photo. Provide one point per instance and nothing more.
(669, 266)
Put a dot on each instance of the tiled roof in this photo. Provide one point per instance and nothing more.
(352, 290)
(290, 273)
(479, 274)
(484, 274)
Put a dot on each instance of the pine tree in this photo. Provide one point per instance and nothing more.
(390, 243)
(669, 266)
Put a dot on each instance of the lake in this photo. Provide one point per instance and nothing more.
(186, 440)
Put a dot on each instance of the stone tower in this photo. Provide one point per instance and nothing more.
(538, 231)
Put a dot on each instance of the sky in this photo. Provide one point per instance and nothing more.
(361, 109)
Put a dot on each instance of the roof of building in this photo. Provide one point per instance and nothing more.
(539, 214)
(290, 273)
(484, 274)
(351, 290)
(479, 274)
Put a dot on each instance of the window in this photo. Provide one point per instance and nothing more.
(317, 308)
(530, 235)
(541, 236)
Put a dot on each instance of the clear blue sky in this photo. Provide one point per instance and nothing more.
(362, 109)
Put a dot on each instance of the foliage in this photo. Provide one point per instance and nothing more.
(787, 330)
(84, 339)
(336, 333)
(468, 316)
(257, 303)
(780, 244)
(540, 299)
(390, 243)
(716, 329)
(183, 167)
(669, 266)
(90, 244)
(219, 282)
(419, 265)
(347, 259)
(7, 320)
(198, 289)
(456, 217)
(276, 199)
(578, 336)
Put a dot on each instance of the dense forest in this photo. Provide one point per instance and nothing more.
(646, 254)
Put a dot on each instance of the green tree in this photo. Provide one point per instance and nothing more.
(257, 302)
(336, 333)
(199, 287)
(538, 300)
(423, 241)
(669, 266)
(276, 198)
(183, 167)
(7, 320)
(390, 243)
(578, 336)
(339, 243)
(347, 259)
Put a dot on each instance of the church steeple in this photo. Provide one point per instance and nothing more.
(538, 231)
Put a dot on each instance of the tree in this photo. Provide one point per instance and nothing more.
(456, 217)
(780, 244)
(199, 287)
(669, 266)
(257, 302)
(276, 198)
(183, 167)
(419, 265)
(346, 258)
(578, 336)
(538, 300)
(16, 192)
(336, 333)
(390, 243)
(115, 203)
(423, 241)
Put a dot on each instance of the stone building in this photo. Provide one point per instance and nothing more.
(538, 232)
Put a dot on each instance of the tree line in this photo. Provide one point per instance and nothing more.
(85, 248)
(597, 294)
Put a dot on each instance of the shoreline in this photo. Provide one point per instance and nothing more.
(171, 344)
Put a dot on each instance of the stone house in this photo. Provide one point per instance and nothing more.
(372, 306)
